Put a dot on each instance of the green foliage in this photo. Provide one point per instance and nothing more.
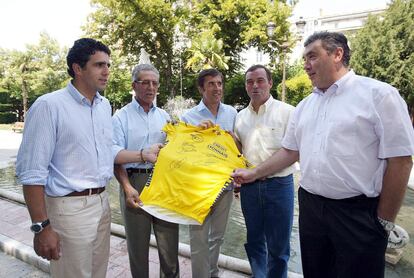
(129, 25)
(239, 24)
(25, 75)
(207, 52)
(297, 88)
(165, 30)
(6, 107)
(119, 87)
(235, 92)
(7, 117)
(384, 49)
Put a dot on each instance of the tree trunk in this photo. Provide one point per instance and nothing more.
(24, 99)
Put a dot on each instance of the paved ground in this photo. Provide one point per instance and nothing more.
(12, 267)
(16, 239)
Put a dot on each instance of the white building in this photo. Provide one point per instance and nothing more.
(338, 16)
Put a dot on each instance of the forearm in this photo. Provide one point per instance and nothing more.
(34, 196)
(277, 162)
(394, 186)
(126, 156)
(122, 176)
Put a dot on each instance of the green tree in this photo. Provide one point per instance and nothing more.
(119, 87)
(207, 52)
(163, 29)
(384, 49)
(297, 88)
(239, 24)
(129, 25)
(38, 70)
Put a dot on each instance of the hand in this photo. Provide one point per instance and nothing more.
(236, 190)
(244, 175)
(206, 124)
(151, 154)
(237, 187)
(47, 244)
(132, 199)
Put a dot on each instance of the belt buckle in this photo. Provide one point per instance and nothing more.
(90, 191)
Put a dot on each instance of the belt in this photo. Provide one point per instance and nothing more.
(131, 171)
(86, 192)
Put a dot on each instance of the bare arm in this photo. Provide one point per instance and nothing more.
(132, 199)
(46, 243)
(278, 161)
(393, 187)
(148, 155)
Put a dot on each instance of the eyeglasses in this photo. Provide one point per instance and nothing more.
(148, 82)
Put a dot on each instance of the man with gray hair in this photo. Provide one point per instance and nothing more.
(137, 132)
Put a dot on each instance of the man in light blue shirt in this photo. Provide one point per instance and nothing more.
(206, 240)
(137, 129)
(65, 162)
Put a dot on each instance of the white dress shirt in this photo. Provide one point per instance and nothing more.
(261, 133)
(345, 135)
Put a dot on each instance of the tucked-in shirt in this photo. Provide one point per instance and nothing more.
(225, 117)
(134, 129)
(345, 135)
(66, 143)
(261, 133)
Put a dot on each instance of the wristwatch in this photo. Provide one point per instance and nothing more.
(37, 227)
(387, 225)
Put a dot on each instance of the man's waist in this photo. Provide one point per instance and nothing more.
(349, 199)
(86, 192)
(132, 171)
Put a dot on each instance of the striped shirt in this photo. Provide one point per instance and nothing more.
(66, 143)
(134, 129)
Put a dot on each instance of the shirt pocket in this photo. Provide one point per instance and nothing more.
(271, 137)
(341, 139)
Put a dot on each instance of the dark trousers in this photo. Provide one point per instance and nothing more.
(341, 238)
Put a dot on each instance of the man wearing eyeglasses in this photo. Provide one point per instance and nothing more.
(137, 129)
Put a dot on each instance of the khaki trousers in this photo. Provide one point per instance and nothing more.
(138, 225)
(84, 225)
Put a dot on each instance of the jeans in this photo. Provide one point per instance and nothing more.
(267, 206)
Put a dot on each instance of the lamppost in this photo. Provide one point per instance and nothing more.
(270, 30)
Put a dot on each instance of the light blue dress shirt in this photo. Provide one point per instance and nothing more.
(134, 129)
(225, 118)
(66, 143)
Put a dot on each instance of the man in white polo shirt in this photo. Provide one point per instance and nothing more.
(355, 141)
(267, 204)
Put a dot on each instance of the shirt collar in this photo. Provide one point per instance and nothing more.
(264, 106)
(81, 98)
(138, 106)
(201, 106)
(336, 88)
